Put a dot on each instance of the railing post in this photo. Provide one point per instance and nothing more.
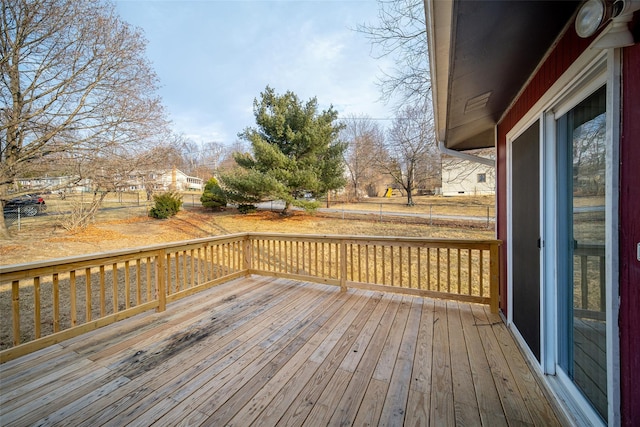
(343, 266)
(494, 279)
(248, 254)
(161, 281)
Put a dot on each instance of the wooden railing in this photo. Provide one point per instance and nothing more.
(589, 269)
(54, 300)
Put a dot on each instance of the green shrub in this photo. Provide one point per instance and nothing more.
(213, 196)
(166, 205)
(246, 208)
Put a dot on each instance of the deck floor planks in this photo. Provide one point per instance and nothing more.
(183, 364)
(393, 411)
(442, 406)
(513, 404)
(347, 409)
(541, 413)
(317, 318)
(201, 380)
(419, 399)
(293, 373)
(335, 386)
(289, 392)
(326, 357)
(465, 402)
(281, 352)
(489, 404)
(375, 396)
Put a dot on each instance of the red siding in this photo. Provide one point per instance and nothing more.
(629, 238)
(568, 49)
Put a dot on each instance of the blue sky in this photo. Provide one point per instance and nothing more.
(214, 57)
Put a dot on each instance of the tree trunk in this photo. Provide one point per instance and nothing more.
(285, 211)
(409, 189)
(4, 231)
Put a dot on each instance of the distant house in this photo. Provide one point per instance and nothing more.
(163, 180)
(176, 180)
(55, 184)
(463, 177)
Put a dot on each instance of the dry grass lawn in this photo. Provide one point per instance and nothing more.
(111, 231)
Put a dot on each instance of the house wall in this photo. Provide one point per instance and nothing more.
(630, 236)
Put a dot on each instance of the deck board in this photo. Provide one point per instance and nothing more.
(268, 351)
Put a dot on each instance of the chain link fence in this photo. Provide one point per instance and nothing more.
(59, 207)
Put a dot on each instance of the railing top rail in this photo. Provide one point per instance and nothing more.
(391, 239)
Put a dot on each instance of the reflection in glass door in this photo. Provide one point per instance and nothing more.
(581, 251)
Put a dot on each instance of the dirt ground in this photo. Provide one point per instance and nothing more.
(42, 243)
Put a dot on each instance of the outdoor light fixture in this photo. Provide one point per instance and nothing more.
(590, 17)
(593, 14)
(618, 35)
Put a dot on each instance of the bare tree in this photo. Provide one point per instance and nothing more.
(401, 33)
(413, 157)
(75, 82)
(365, 139)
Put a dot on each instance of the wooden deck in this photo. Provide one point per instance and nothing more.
(264, 351)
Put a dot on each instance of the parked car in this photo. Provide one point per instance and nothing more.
(27, 205)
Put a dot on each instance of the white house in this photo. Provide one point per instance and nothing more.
(463, 177)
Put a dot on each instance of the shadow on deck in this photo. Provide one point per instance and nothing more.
(264, 351)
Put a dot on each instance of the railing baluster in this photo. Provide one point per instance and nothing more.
(148, 279)
(168, 277)
(400, 265)
(114, 281)
(393, 269)
(72, 297)
(56, 303)
(429, 268)
(603, 288)
(448, 270)
(375, 264)
(481, 272)
(351, 266)
(438, 269)
(366, 254)
(127, 285)
(384, 264)
(37, 321)
(459, 273)
(162, 275)
(469, 270)
(103, 293)
(193, 281)
(138, 282)
(88, 294)
(419, 268)
(584, 282)
(15, 310)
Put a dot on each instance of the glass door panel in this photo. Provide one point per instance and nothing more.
(581, 228)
